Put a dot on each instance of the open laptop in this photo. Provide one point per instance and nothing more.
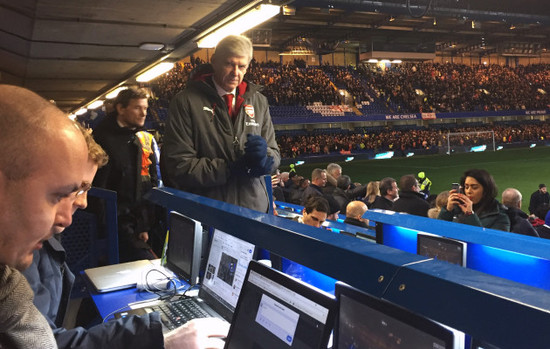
(365, 321)
(225, 272)
(279, 311)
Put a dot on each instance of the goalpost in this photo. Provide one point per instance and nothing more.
(475, 141)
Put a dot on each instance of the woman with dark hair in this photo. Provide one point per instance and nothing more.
(475, 204)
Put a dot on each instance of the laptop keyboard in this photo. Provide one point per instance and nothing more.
(177, 313)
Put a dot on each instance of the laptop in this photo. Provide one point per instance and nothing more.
(224, 276)
(117, 276)
(278, 311)
(185, 239)
(365, 321)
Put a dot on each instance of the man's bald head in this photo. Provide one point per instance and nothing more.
(27, 124)
(511, 197)
(356, 209)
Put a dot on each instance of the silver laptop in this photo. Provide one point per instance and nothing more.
(117, 276)
(222, 282)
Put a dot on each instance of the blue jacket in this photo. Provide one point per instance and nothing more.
(51, 281)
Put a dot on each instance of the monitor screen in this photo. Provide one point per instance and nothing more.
(365, 321)
(442, 248)
(278, 311)
(183, 254)
(225, 271)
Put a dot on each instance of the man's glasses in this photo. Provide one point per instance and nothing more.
(84, 188)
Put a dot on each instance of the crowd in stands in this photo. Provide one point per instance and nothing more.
(290, 85)
(434, 87)
(404, 88)
(390, 139)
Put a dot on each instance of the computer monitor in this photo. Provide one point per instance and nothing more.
(183, 254)
(364, 321)
(442, 248)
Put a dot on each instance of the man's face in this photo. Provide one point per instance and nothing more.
(229, 71)
(314, 218)
(35, 208)
(81, 201)
(394, 192)
(322, 180)
(543, 190)
(134, 114)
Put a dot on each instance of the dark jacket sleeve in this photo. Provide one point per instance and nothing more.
(134, 332)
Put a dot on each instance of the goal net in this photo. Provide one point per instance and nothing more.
(465, 142)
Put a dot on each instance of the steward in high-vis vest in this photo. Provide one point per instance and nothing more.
(131, 171)
(425, 183)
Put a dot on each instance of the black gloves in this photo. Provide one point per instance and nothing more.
(254, 162)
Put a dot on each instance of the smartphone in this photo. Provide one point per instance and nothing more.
(457, 187)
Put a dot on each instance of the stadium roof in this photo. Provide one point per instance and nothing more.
(71, 51)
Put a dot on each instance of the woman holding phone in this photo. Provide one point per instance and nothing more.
(475, 203)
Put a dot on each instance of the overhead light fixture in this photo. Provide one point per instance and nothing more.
(155, 71)
(512, 27)
(384, 61)
(95, 104)
(115, 92)
(397, 61)
(435, 21)
(392, 18)
(239, 25)
(81, 111)
(289, 10)
(151, 46)
(373, 60)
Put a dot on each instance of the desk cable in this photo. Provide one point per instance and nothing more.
(397, 272)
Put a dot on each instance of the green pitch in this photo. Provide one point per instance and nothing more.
(522, 169)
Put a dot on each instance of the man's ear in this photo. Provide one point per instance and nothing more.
(119, 108)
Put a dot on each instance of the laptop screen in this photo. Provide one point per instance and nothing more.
(442, 248)
(183, 254)
(225, 271)
(365, 321)
(277, 311)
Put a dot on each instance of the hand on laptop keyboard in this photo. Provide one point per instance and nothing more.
(206, 333)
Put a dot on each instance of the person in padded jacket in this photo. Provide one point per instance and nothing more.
(215, 151)
(478, 204)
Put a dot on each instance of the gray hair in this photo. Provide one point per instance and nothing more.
(511, 197)
(332, 167)
(234, 45)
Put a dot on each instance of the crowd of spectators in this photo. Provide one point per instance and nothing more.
(403, 88)
(434, 87)
(290, 85)
(410, 139)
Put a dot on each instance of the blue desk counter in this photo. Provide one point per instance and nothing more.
(506, 313)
